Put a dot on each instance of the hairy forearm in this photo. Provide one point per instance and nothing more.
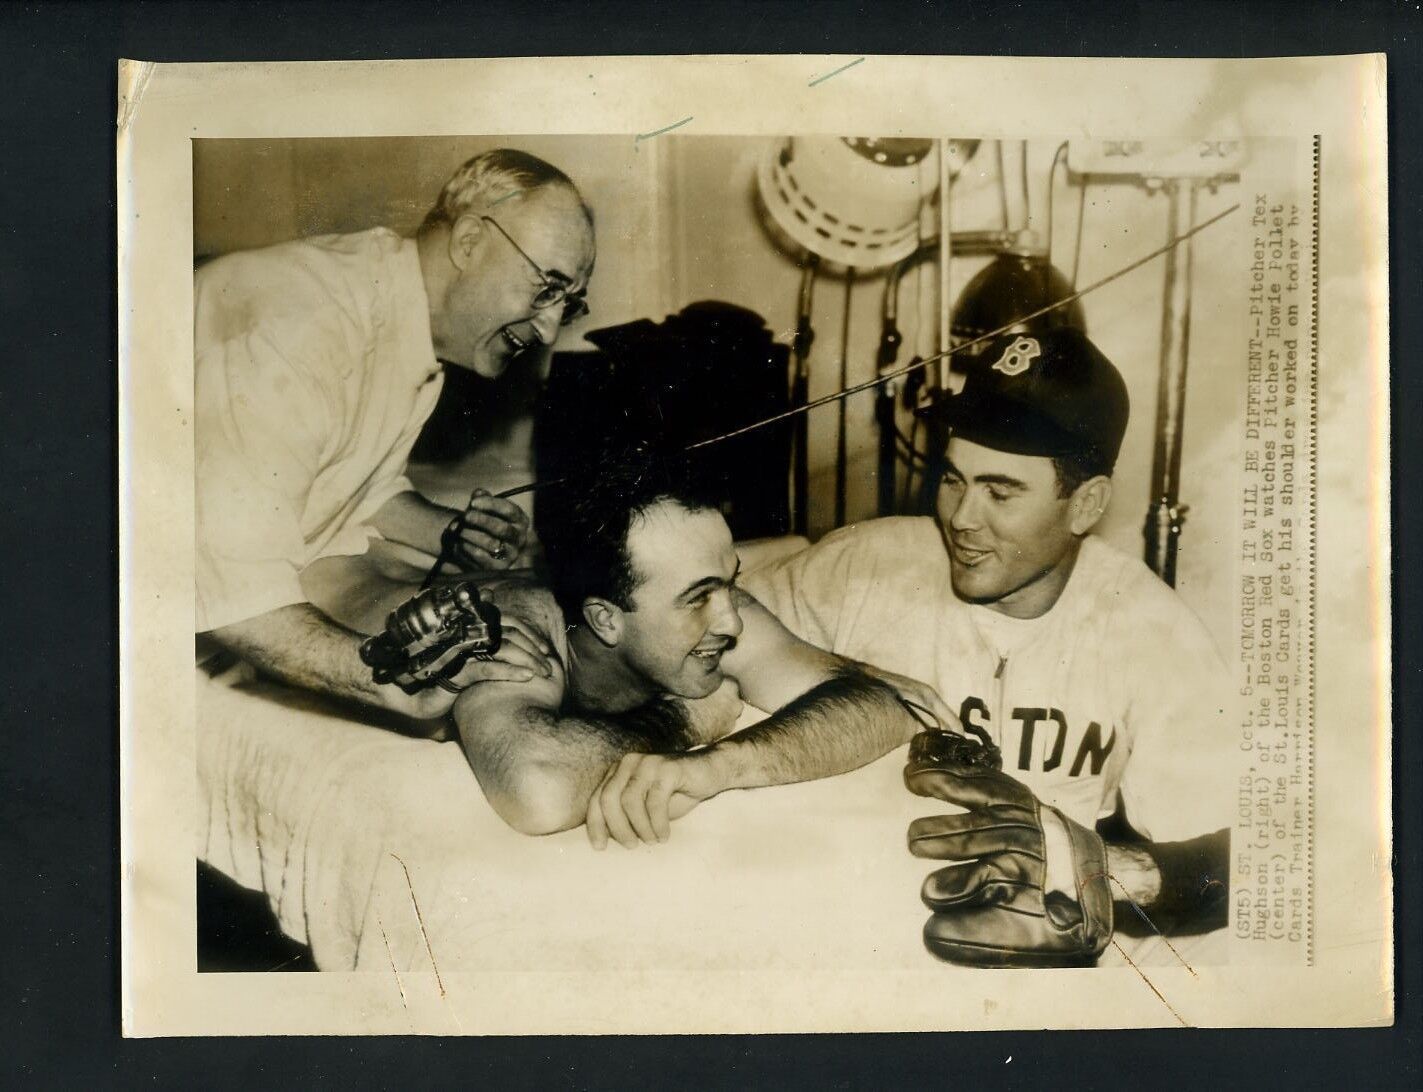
(838, 726)
(301, 646)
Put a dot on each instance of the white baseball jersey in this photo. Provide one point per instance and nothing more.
(1117, 689)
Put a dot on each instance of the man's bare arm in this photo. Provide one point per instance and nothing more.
(830, 717)
(493, 534)
(538, 766)
(302, 646)
(839, 725)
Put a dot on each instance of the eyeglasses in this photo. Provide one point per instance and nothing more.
(555, 288)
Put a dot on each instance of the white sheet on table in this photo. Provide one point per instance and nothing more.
(380, 852)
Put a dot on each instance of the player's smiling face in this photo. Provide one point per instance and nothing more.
(1008, 532)
(684, 616)
(487, 317)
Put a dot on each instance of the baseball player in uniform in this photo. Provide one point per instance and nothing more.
(1070, 662)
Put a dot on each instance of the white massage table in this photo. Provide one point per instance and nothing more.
(380, 852)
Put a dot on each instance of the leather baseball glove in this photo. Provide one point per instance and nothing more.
(993, 907)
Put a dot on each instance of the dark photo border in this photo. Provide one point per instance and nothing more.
(59, 756)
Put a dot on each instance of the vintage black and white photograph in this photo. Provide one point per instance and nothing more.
(845, 563)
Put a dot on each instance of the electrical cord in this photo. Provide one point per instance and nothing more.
(915, 365)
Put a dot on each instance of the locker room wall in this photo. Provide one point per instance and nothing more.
(677, 222)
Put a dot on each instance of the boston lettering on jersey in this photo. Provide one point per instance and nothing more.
(1089, 752)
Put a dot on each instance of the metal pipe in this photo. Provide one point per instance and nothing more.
(1016, 201)
(842, 455)
(890, 340)
(800, 393)
(946, 250)
(1166, 514)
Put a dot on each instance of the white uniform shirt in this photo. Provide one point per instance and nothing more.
(1117, 688)
(314, 373)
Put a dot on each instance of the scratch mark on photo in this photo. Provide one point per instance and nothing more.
(1150, 985)
(391, 956)
(659, 132)
(421, 920)
(1142, 914)
(835, 72)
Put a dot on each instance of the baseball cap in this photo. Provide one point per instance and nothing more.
(1049, 393)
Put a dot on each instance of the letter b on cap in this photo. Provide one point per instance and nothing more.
(1017, 358)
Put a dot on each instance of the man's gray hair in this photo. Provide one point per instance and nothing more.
(492, 177)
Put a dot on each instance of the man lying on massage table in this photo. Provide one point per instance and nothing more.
(644, 639)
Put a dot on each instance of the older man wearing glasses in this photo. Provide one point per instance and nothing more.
(318, 362)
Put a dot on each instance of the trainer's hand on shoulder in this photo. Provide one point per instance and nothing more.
(522, 646)
(524, 654)
(642, 794)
